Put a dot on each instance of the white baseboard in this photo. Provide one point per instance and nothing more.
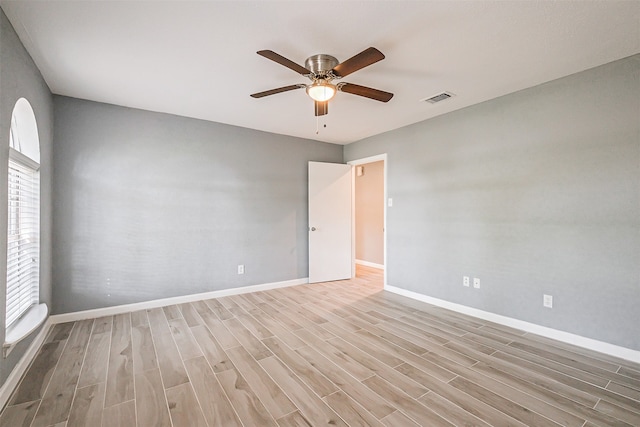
(370, 264)
(126, 308)
(588, 343)
(23, 364)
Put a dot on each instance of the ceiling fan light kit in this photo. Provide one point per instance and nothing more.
(322, 69)
(321, 91)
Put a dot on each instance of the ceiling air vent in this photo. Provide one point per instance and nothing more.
(437, 98)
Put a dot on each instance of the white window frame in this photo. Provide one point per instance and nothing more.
(23, 311)
(23, 236)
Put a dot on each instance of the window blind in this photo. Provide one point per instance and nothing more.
(23, 246)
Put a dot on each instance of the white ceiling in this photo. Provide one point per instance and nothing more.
(198, 59)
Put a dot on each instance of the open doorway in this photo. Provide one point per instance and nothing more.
(369, 207)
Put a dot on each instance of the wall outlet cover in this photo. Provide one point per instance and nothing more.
(240, 269)
(476, 283)
(465, 281)
(547, 301)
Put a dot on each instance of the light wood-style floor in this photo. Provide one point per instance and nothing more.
(338, 353)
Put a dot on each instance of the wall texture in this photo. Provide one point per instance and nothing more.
(537, 192)
(19, 78)
(151, 205)
(369, 211)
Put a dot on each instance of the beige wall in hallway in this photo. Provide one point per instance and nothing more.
(369, 191)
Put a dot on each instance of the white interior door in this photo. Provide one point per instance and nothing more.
(329, 222)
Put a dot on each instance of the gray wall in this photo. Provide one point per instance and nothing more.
(19, 78)
(369, 212)
(151, 205)
(534, 192)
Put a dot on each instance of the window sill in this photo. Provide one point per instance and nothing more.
(29, 322)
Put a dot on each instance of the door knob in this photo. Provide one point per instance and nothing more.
(313, 229)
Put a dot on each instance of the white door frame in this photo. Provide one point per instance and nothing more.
(359, 162)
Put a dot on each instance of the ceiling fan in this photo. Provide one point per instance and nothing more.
(322, 69)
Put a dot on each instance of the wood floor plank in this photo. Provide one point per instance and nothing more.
(36, 379)
(143, 348)
(120, 371)
(190, 314)
(249, 408)
(169, 360)
(398, 419)
(314, 409)
(502, 404)
(409, 386)
(216, 408)
(120, 415)
(625, 391)
(630, 417)
(216, 327)
(471, 405)
(172, 312)
(568, 380)
(336, 355)
(254, 326)
(593, 370)
(20, 415)
(573, 356)
(187, 345)
(218, 309)
(294, 419)
(350, 411)
(56, 403)
(412, 408)
(377, 351)
(512, 394)
(247, 339)
(158, 321)
(628, 372)
(269, 393)
(102, 325)
(280, 331)
(59, 332)
(566, 404)
(346, 383)
(184, 407)
(87, 406)
(96, 361)
(212, 350)
(139, 318)
(305, 371)
(450, 412)
(151, 401)
(405, 356)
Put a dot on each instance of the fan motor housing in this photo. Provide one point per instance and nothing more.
(319, 64)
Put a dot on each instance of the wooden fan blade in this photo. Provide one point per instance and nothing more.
(321, 108)
(367, 92)
(269, 54)
(274, 91)
(363, 59)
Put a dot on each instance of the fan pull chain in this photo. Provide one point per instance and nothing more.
(317, 124)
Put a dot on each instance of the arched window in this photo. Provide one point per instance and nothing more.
(23, 314)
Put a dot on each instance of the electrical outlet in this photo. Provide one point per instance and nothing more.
(465, 281)
(240, 269)
(390, 202)
(476, 283)
(547, 301)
